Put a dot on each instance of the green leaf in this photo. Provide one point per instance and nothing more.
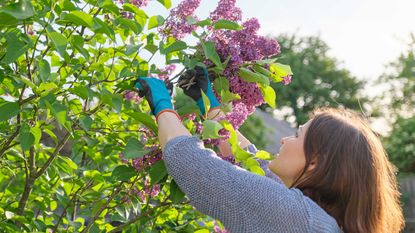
(175, 46)
(262, 70)
(37, 133)
(206, 102)
(226, 24)
(165, 3)
(117, 102)
(132, 49)
(155, 21)
(51, 134)
(102, 27)
(264, 155)
(20, 10)
(250, 76)
(280, 70)
(77, 42)
(191, 20)
(129, 24)
(157, 172)
(16, 45)
(269, 95)
(257, 170)
(44, 70)
(26, 138)
(85, 122)
(220, 84)
(228, 96)
(60, 42)
(79, 18)
(123, 173)
(211, 129)
(80, 91)
(66, 5)
(46, 87)
(132, 8)
(58, 111)
(134, 149)
(9, 110)
(206, 22)
(266, 61)
(70, 164)
(176, 194)
(6, 19)
(210, 52)
(145, 119)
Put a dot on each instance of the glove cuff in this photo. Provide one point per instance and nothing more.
(164, 104)
(168, 110)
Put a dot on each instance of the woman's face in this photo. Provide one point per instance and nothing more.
(290, 160)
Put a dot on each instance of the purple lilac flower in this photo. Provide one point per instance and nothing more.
(238, 115)
(242, 46)
(286, 80)
(148, 191)
(215, 141)
(127, 14)
(249, 92)
(166, 72)
(176, 25)
(226, 9)
(132, 96)
(216, 228)
(139, 3)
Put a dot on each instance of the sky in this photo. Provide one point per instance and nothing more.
(364, 35)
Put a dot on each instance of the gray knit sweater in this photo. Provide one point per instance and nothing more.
(241, 200)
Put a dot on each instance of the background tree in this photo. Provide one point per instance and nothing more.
(396, 105)
(398, 83)
(318, 80)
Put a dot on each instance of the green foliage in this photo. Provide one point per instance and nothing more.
(400, 145)
(68, 136)
(317, 82)
(398, 83)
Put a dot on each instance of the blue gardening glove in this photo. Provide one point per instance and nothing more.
(156, 93)
(195, 80)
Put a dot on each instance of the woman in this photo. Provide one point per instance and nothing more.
(334, 175)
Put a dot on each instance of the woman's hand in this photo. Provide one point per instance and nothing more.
(156, 94)
(159, 99)
(193, 81)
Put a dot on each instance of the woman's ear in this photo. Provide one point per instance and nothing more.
(312, 165)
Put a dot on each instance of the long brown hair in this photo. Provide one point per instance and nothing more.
(353, 179)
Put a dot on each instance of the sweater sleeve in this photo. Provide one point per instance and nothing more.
(242, 201)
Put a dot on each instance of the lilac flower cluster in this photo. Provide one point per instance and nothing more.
(148, 191)
(166, 72)
(241, 47)
(216, 228)
(137, 3)
(132, 96)
(176, 24)
(286, 80)
(226, 9)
